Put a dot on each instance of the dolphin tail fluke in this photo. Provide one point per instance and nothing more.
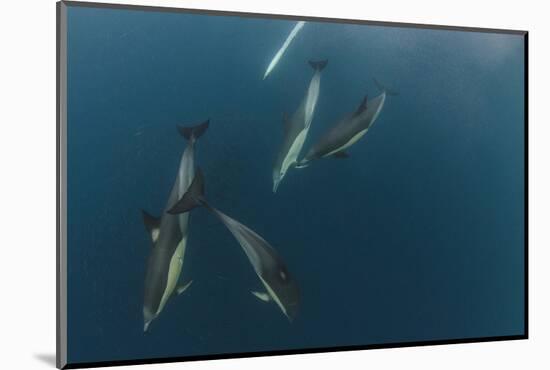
(193, 198)
(383, 88)
(193, 131)
(318, 65)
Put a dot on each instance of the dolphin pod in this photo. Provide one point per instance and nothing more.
(280, 287)
(297, 127)
(169, 235)
(169, 232)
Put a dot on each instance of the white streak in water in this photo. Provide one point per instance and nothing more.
(283, 48)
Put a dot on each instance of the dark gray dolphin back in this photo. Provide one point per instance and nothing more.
(349, 126)
(158, 264)
(264, 259)
(268, 265)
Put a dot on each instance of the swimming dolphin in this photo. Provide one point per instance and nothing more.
(270, 268)
(283, 48)
(297, 127)
(169, 235)
(348, 130)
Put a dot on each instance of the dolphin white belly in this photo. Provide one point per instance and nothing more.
(294, 151)
(312, 97)
(185, 176)
(174, 272)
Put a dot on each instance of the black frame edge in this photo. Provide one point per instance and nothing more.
(57, 190)
(526, 180)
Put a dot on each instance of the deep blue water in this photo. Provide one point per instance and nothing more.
(417, 236)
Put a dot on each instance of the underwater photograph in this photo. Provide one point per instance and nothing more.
(253, 184)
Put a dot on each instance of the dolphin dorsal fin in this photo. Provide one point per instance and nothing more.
(362, 107)
(152, 224)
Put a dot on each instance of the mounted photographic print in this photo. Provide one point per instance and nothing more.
(235, 184)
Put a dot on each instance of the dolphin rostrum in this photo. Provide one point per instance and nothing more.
(270, 268)
(297, 127)
(348, 130)
(169, 235)
(283, 48)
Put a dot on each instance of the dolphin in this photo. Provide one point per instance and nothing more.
(280, 287)
(297, 127)
(348, 130)
(283, 48)
(169, 235)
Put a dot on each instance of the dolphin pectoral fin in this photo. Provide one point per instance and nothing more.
(152, 224)
(340, 155)
(183, 288)
(146, 326)
(192, 198)
(262, 296)
(301, 164)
